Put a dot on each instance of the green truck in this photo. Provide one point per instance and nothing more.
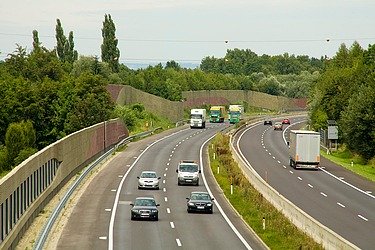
(234, 114)
(217, 113)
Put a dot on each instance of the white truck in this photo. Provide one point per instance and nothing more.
(304, 149)
(198, 118)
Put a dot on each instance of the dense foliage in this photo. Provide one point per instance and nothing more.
(42, 102)
(346, 93)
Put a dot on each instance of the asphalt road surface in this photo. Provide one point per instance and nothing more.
(101, 217)
(339, 199)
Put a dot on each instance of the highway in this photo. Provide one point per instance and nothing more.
(335, 197)
(101, 217)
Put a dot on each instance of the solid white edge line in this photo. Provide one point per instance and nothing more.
(215, 201)
(350, 185)
(117, 197)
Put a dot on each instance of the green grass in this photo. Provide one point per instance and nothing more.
(344, 158)
(280, 233)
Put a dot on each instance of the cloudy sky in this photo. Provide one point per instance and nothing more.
(189, 30)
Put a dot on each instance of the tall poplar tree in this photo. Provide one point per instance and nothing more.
(61, 41)
(65, 47)
(110, 52)
(36, 43)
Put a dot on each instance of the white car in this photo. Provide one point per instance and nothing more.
(148, 179)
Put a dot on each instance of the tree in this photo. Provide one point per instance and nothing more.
(61, 41)
(36, 43)
(18, 137)
(110, 52)
(360, 137)
(65, 47)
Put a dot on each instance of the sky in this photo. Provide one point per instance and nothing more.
(151, 31)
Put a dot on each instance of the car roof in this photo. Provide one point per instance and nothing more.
(148, 171)
(145, 198)
(199, 192)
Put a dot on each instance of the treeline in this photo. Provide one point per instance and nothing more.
(247, 62)
(171, 80)
(345, 92)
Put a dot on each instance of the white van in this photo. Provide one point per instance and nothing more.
(188, 173)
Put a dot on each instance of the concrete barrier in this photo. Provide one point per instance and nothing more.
(29, 187)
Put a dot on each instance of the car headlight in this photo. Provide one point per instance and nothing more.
(154, 211)
(191, 204)
(209, 204)
(135, 210)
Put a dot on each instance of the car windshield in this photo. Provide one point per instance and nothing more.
(195, 116)
(205, 197)
(148, 175)
(189, 168)
(144, 202)
(215, 112)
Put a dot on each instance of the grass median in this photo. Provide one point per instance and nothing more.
(279, 232)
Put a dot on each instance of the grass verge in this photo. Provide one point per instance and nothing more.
(345, 160)
(279, 232)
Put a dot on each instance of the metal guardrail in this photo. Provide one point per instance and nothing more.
(55, 214)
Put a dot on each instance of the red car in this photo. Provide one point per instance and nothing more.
(285, 121)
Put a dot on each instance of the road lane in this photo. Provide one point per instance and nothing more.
(88, 225)
(315, 192)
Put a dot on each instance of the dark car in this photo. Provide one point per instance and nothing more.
(285, 121)
(267, 121)
(200, 202)
(144, 208)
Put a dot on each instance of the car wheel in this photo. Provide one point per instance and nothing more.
(156, 218)
(178, 183)
(132, 217)
(211, 211)
(188, 210)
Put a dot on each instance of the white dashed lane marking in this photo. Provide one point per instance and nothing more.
(299, 178)
(165, 199)
(363, 218)
(103, 238)
(323, 194)
(164, 190)
(168, 210)
(172, 224)
(178, 242)
(341, 205)
(290, 171)
(310, 185)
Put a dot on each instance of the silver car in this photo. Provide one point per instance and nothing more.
(149, 180)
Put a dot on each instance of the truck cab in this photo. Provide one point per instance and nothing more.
(217, 114)
(188, 173)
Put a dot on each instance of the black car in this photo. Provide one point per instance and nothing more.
(144, 208)
(267, 121)
(200, 202)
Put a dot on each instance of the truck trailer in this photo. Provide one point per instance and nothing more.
(198, 118)
(217, 114)
(304, 149)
